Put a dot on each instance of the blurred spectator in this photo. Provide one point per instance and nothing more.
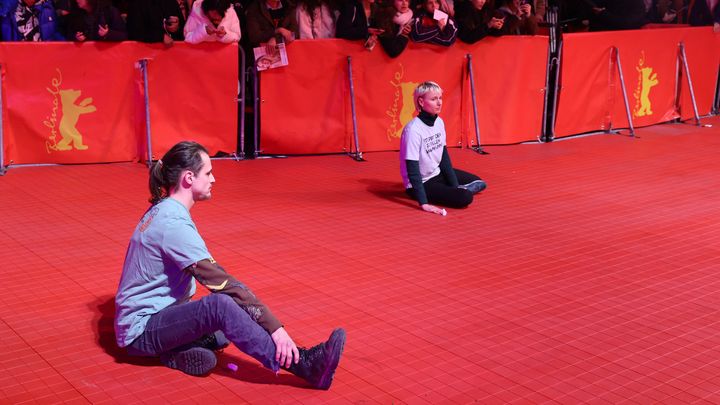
(354, 19)
(122, 7)
(157, 20)
(212, 20)
(517, 16)
(475, 20)
(449, 5)
(425, 28)
(270, 21)
(704, 12)
(667, 11)
(62, 9)
(395, 23)
(540, 7)
(315, 18)
(573, 15)
(617, 15)
(94, 20)
(28, 20)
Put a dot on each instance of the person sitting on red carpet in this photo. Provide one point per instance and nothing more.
(425, 164)
(154, 313)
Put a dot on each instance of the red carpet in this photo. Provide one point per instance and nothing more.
(587, 271)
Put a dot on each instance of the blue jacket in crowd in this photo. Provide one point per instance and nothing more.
(46, 15)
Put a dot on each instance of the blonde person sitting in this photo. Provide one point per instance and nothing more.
(425, 166)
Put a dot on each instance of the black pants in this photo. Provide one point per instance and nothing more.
(439, 192)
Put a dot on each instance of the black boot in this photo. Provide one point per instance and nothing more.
(317, 365)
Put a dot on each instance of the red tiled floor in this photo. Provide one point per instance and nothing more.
(587, 272)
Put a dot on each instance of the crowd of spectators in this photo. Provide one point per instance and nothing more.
(391, 23)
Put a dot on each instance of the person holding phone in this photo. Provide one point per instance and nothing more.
(355, 17)
(475, 21)
(394, 24)
(157, 20)
(517, 16)
(90, 21)
(433, 24)
(212, 21)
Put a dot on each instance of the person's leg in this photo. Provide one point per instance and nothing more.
(214, 341)
(465, 177)
(440, 193)
(177, 326)
(173, 333)
(470, 182)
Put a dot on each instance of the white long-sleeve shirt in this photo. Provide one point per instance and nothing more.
(197, 21)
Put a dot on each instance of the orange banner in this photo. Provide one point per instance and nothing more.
(306, 106)
(509, 75)
(68, 103)
(82, 103)
(384, 92)
(193, 95)
(591, 97)
(702, 47)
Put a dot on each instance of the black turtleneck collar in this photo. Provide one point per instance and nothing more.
(427, 118)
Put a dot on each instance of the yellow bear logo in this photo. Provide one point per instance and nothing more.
(70, 114)
(407, 113)
(403, 94)
(646, 81)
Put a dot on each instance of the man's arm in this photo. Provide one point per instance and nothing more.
(217, 280)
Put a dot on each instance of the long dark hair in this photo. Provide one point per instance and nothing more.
(165, 173)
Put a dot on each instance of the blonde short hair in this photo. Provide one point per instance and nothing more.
(422, 89)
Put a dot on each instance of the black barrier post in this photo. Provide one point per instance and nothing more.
(357, 155)
(256, 111)
(683, 58)
(143, 68)
(241, 106)
(552, 76)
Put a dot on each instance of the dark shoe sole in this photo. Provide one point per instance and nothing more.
(333, 350)
(195, 361)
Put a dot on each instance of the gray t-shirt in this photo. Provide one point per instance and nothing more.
(164, 243)
(424, 144)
